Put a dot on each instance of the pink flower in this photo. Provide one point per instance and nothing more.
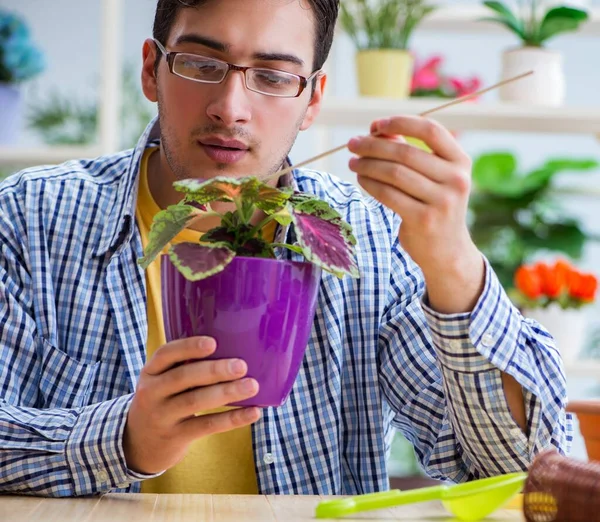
(426, 76)
(464, 87)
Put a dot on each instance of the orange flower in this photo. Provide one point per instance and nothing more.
(553, 279)
(528, 281)
(582, 286)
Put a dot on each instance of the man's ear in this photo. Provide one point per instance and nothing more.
(314, 106)
(149, 82)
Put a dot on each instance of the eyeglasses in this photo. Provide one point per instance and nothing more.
(270, 82)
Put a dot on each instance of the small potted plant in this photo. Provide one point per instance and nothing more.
(381, 31)
(20, 60)
(235, 285)
(554, 295)
(535, 25)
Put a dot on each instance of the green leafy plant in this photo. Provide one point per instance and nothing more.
(534, 25)
(513, 216)
(60, 119)
(323, 237)
(382, 24)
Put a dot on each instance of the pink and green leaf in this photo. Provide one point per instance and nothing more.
(325, 243)
(323, 210)
(196, 262)
(165, 226)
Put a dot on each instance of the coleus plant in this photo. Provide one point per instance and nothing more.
(323, 237)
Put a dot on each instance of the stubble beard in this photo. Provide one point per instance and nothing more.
(171, 145)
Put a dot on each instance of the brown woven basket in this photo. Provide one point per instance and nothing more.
(561, 489)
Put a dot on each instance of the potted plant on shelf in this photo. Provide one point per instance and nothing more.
(516, 216)
(235, 286)
(535, 25)
(381, 31)
(20, 60)
(554, 296)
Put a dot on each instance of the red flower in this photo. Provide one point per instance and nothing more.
(528, 281)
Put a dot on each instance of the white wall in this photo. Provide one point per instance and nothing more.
(69, 32)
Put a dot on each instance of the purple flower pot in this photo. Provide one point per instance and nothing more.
(258, 310)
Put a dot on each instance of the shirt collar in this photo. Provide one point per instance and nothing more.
(123, 227)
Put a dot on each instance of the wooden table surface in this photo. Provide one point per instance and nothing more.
(209, 508)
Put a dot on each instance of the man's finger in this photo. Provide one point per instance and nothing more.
(417, 159)
(198, 400)
(177, 352)
(398, 177)
(401, 203)
(210, 424)
(200, 373)
(436, 136)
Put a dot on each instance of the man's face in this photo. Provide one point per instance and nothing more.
(201, 123)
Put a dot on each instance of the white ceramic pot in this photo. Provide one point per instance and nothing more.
(546, 86)
(568, 327)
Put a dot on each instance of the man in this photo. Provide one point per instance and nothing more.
(425, 341)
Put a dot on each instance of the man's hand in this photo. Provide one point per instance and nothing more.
(430, 192)
(161, 422)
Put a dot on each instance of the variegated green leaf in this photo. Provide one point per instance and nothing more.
(165, 226)
(219, 189)
(271, 199)
(284, 216)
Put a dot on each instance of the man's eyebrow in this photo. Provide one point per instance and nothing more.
(202, 40)
(278, 57)
(220, 46)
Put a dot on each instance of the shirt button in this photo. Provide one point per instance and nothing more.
(487, 340)
(268, 458)
(102, 476)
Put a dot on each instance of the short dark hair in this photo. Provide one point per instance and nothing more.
(325, 13)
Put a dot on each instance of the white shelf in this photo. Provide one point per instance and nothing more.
(360, 112)
(467, 19)
(25, 157)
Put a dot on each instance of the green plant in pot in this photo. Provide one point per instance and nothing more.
(381, 31)
(513, 216)
(236, 286)
(534, 24)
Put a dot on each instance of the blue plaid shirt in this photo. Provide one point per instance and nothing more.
(72, 343)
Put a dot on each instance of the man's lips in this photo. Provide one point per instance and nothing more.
(223, 143)
(224, 151)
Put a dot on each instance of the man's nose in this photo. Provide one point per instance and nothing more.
(230, 103)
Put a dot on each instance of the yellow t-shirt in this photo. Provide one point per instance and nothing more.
(218, 464)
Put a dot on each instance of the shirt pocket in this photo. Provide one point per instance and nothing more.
(65, 382)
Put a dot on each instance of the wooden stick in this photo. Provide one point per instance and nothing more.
(456, 101)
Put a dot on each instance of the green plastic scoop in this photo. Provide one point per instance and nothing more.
(469, 501)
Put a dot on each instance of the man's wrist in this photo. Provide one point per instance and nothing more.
(455, 286)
